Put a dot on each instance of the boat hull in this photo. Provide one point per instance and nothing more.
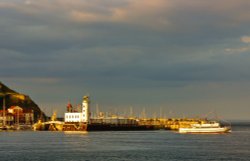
(48, 126)
(217, 130)
(74, 127)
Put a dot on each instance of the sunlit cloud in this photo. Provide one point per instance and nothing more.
(158, 14)
(27, 2)
(245, 39)
(237, 50)
(245, 48)
(79, 16)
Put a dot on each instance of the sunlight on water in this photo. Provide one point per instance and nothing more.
(124, 145)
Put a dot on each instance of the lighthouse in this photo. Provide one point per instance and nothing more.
(81, 116)
(77, 120)
(85, 109)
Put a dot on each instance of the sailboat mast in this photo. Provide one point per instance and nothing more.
(4, 118)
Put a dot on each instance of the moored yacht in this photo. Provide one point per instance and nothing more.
(206, 127)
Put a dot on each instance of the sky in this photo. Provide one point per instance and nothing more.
(181, 58)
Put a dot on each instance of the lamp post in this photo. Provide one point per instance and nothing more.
(4, 118)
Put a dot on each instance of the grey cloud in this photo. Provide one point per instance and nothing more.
(123, 45)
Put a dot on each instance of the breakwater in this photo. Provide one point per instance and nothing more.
(125, 124)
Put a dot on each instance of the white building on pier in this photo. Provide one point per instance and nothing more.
(79, 117)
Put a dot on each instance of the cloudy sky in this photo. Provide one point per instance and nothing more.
(184, 58)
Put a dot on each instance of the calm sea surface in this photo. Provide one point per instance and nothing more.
(132, 146)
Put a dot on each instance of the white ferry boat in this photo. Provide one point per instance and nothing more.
(206, 127)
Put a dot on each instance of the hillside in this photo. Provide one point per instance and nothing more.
(13, 98)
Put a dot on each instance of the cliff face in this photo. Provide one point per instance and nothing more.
(13, 98)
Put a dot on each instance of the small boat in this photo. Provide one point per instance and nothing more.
(206, 128)
(48, 126)
(3, 128)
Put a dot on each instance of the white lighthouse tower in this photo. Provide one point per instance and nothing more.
(85, 109)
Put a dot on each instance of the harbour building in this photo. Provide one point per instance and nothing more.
(77, 121)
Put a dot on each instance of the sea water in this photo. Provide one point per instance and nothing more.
(125, 146)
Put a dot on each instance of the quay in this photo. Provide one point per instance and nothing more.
(15, 118)
(124, 124)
